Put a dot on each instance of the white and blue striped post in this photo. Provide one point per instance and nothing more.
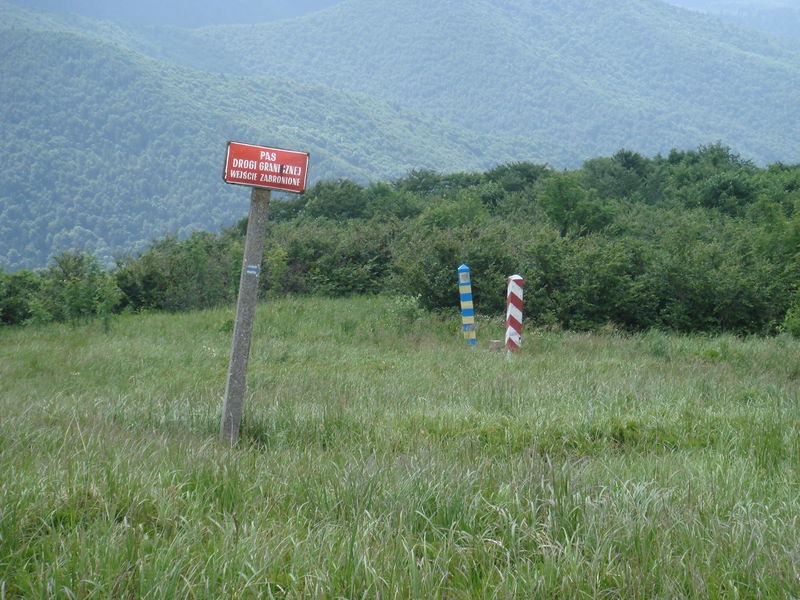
(467, 307)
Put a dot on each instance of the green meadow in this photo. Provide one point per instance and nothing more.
(382, 458)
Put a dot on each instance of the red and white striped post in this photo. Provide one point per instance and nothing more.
(514, 314)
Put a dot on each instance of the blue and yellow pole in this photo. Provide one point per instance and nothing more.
(467, 307)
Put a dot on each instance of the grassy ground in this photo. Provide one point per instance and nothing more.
(381, 458)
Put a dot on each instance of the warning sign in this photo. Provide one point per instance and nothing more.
(260, 166)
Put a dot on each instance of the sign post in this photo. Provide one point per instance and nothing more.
(245, 313)
(263, 169)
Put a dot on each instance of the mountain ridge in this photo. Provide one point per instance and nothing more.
(563, 71)
(448, 85)
(183, 13)
(128, 148)
(574, 81)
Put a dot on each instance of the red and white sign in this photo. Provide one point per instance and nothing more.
(259, 166)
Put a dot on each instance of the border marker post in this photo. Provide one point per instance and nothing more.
(514, 314)
(467, 306)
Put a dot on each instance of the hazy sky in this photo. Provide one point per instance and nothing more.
(197, 13)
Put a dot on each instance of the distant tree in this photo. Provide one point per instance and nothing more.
(618, 177)
(18, 293)
(75, 288)
(466, 207)
(728, 192)
(515, 177)
(572, 208)
(199, 272)
(339, 199)
(285, 209)
(384, 200)
(423, 181)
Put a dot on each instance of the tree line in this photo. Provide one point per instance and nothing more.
(695, 241)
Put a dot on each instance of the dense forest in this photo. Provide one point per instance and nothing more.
(779, 17)
(694, 241)
(585, 79)
(114, 133)
(183, 13)
(104, 149)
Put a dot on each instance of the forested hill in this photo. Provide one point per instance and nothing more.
(113, 134)
(183, 13)
(103, 149)
(584, 77)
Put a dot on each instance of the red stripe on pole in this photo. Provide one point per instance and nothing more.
(514, 313)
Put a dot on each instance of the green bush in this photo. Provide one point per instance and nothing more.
(18, 294)
(699, 241)
(791, 322)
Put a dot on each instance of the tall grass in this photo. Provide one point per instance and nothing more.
(381, 458)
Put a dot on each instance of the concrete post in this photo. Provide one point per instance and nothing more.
(245, 312)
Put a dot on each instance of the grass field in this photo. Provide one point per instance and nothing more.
(381, 458)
